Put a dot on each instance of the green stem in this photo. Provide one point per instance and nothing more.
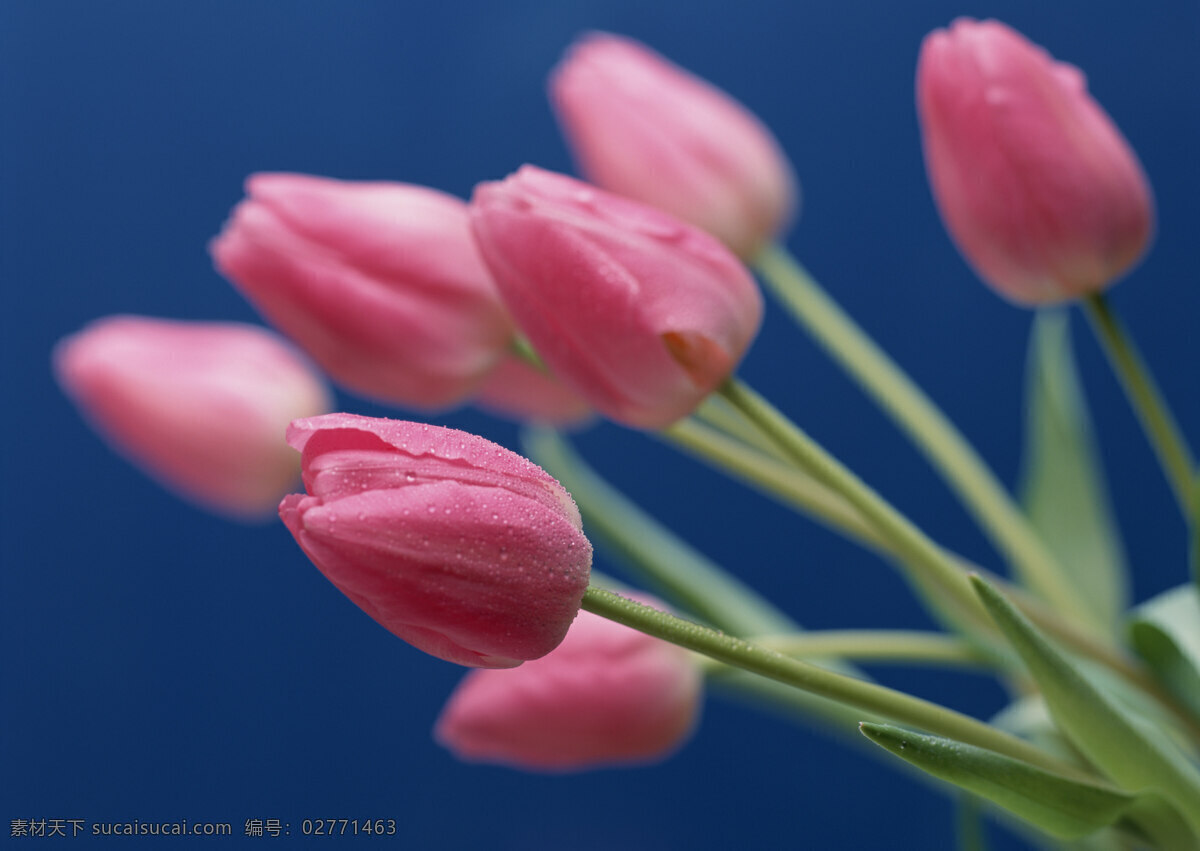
(940, 581)
(766, 473)
(936, 575)
(804, 493)
(868, 697)
(523, 349)
(968, 824)
(716, 415)
(1147, 400)
(926, 426)
(893, 646)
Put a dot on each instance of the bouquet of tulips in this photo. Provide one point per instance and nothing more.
(630, 297)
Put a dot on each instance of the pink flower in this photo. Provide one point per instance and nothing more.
(1037, 186)
(380, 282)
(646, 129)
(200, 406)
(460, 547)
(607, 695)
(637, 312)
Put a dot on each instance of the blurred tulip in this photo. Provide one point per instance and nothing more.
(608, 695)
(637, 312)
(460, 547)
(380, 282)
(1037, 186)
(646, 129)
(200, 406)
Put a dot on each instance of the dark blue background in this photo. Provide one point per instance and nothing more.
(161, 664)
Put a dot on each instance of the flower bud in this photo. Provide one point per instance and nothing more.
(637, 312)
(200, 406)
(646, 129)
(608, 695)
(380, 282)
(1037, 186)
(460, 547)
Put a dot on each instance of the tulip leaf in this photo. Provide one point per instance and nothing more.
(1165, 632)
(1062, 484)
(1133, 755)
(1064, 807)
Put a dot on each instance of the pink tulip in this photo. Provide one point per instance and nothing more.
(1037, 186)
(637, 312)
(201, 407)
(380, 282)
(460, 547)
(646, 129)
(608, 695)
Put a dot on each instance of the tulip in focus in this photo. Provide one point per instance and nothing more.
(608, 695)
(1037, 186)
(200, 406)
(639, 313)
(644, 128)
(460, 547)
(380, 282)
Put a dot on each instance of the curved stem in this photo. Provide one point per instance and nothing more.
(940, 581)
(894, 646)
(926, 426)
(802, 492)
(765, 472)
(868, 697)
(1147, 400)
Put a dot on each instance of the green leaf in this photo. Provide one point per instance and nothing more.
(1134, 756)
(1062, 484)
(1165, 632)
(1063, 807)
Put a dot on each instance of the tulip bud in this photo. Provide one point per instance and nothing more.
(380, 282)
(646, 129)
(637, 312)
(201, 407)
(608, 695)
(1037, 186)
(460, 547)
